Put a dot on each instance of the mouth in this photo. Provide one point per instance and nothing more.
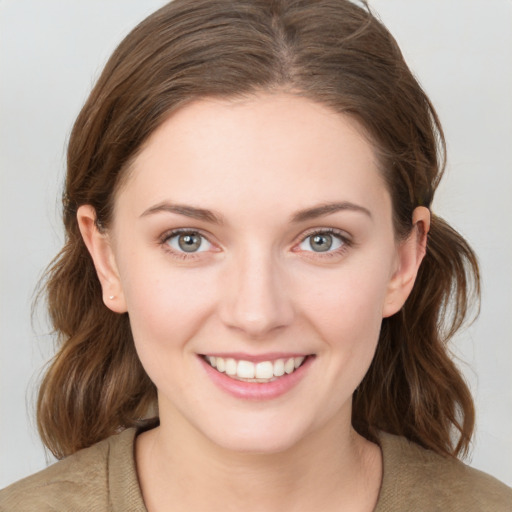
(257, 372)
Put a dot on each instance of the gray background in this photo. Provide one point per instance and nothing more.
(51, 52)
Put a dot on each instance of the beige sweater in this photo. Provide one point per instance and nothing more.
(103, 478)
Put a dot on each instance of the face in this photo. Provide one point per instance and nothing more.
(253, 248)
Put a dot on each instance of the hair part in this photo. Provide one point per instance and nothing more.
(332, 52)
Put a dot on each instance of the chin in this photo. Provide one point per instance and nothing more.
(258, 437)
(257, 444)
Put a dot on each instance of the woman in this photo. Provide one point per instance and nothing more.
(252, 294)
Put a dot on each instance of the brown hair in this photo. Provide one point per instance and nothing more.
(332, 52)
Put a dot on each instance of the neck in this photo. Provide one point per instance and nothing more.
(332, 469)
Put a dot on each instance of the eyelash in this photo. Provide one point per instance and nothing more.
(164, 242)
(341, 236)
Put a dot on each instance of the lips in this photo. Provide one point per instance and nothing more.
(249, 371)
(241, 385)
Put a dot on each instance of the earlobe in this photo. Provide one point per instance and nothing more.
(99, 246)
(410, 255)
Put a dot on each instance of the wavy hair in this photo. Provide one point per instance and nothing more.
(333, 52)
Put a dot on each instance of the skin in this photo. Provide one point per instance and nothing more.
(256, 286)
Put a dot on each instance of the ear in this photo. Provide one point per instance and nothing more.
(410, 255)
(99, 245)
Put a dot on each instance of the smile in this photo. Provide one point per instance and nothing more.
(247, 371)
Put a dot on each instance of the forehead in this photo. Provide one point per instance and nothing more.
(272, 149)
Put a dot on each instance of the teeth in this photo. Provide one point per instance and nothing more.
(279, 368)
(220, 364)
(245, 370)
(264, 371)
(231, 367)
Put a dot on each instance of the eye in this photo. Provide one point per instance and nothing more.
(189, 242)
(323, 241)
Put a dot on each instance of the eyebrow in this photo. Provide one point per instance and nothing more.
(327, 209)
(209, 216)
(188, 211)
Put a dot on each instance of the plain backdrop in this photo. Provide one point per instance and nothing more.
(51, 52)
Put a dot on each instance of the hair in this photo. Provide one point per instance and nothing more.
(333, 52)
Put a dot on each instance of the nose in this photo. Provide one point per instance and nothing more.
(254, 296)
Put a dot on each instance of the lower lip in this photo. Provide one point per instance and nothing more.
(257, 390)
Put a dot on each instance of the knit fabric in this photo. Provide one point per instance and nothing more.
(419, 480)
(103, 478)
(97, 479)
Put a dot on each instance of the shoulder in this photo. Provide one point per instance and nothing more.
(80, 482)
(418, 479)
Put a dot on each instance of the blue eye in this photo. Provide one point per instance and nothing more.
(189, 241)
(322, 242)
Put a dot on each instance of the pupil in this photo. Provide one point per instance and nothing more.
(189, 243)
(321, 243)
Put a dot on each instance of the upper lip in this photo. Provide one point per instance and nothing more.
(256, 358)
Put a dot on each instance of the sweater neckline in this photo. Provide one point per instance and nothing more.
(125, 492)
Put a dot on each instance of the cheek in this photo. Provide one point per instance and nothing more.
(346, 313)
(350, 301)
(166, 310)
(166, 305)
